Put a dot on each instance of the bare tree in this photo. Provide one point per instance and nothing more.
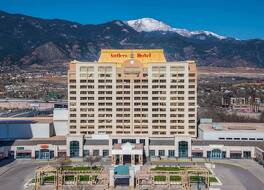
(92, 159)
(63, 162)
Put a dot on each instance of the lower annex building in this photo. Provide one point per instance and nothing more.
(131, 105)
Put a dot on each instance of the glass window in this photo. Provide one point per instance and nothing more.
(161, 152)
(105, 153)
(142, 141)
(129, 140)
(114, 141)
(74, 149)
(171, 153)
(183, 149)
(152, 153)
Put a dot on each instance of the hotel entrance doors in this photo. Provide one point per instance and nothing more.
(44, 154)
(127, 159)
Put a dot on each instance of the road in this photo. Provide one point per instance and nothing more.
(234, 177)
(18, 174)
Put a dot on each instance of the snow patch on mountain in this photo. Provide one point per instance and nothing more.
(148, 25)
(151, 25)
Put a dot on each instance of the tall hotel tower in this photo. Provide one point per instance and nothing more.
(132, 92)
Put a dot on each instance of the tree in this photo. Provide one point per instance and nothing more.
(63, 162)
(92, 159)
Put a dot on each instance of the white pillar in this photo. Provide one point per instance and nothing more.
(111, 178)
(189, 149)
(56, 148)
(227, 153)
(33, 153)
(131, 178)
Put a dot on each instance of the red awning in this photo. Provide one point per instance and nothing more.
(23, 151)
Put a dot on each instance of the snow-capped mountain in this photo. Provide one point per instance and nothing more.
(27, 41)
(151, 25)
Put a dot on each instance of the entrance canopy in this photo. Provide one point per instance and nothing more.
(127, 149)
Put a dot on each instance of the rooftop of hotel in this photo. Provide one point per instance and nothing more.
(56, 140)
(25, 120)
(232, 127)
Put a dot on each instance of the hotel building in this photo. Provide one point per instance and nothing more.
(133, 92)
(131, 105)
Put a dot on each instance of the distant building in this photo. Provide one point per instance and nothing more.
(243, 104)
(208, 130)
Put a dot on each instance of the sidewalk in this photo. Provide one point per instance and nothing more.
(7, 166)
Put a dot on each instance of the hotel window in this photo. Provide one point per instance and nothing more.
(142, 141)
(129, 140)
(161, 152)
(152, 153)
(171, 153)
(105, 153)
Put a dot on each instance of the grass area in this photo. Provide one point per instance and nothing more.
(196, 178)
(87, 178)
(69, 178)
(199, 178)
(175, 178)
(159, 178)
(81, 168)
(48, 179)
(161, 168)
(193, 179)
(163, 178)
(213, 180)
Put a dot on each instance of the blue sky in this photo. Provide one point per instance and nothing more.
(242, 19)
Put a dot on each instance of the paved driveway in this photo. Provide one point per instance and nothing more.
(237, 178)
(17, 174)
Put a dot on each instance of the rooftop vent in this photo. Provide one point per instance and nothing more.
(217, 126)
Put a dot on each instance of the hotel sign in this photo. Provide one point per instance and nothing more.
(131, 55)
(142, 55)
(44, 146)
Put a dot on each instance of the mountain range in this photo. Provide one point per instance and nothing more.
(26, 41)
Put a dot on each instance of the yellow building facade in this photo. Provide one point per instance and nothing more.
(132, 92)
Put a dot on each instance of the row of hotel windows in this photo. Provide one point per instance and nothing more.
(135, 115)
(154, 68)
(135, 126)
(129, 121)
(135, 98)
(135, 92)
(154, 75)
(128, 87)
(128, 81)
(136, 132)
(171, 153)
(141, 109)
(137, 104)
